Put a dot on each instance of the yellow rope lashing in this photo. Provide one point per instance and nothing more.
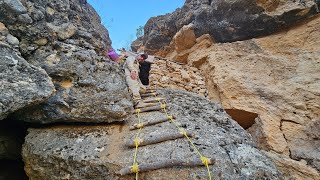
(204, 160)
(137, 141)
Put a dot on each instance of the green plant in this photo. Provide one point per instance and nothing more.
(139, 31)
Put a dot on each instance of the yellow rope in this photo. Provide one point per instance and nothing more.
(204, 160)
(137, 141)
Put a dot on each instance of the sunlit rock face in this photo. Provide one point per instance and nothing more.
(66, 39)
(224, 20)
(271, 86)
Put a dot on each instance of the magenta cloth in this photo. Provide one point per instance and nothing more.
(112, 54)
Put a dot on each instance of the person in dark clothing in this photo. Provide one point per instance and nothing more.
(144, 72)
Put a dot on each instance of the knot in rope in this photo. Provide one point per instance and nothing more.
(137, 141)
(163, 106)
(140, 125)
(205, 160)
(183, 132)
(135, 168)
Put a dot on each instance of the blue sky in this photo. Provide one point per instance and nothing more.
(122, 18)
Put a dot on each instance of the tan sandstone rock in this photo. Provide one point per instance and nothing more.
(276, 78)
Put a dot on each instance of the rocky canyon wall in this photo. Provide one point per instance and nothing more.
(54, 76)
(270, 85)
(223, 20)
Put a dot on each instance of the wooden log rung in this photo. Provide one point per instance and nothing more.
(144, 105)
(150, 123)
(150, 91)
(156, 139)
(170, 163)
(147, 109)
(153, 100)
(148, 94)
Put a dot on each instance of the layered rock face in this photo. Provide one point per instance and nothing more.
(66, 39)
(274, 83)
(224, 20)
(169, 74)
(99, 152)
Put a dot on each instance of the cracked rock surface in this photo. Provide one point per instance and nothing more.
(21, 84)
(99, 152)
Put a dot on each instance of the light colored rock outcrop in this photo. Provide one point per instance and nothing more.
(98, 152)
(276, 78)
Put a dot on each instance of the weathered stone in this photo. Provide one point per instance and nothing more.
(41, 42)
(25, 18)
(274, 77)
(185, 38)
(101, 150)
(21, 84)
(137, 44)
(69, 43)
(301, 146)
(293, 169)
(64, 31)
(165, 73)
(2, 27)
(312, 129)
(87, 90)
(225, 21)
(14, 6)
(50, 11)
(12, 40)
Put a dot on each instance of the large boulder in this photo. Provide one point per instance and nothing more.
(99, 152)
(88, 90)
(21, 83)
(67, 40)
(224, 20)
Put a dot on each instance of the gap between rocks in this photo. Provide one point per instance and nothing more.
(244, 118)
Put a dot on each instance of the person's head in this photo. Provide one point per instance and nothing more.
(142, 57)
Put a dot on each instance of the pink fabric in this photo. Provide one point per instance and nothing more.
(112, 54)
